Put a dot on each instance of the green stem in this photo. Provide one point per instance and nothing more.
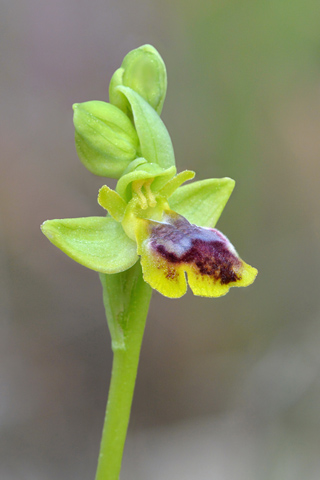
(126, 299)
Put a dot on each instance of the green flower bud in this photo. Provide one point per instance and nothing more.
(144, 71)
(116, 97)
(106, 140)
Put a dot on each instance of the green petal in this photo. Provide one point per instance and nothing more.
(144, 172)
(155, 141)
(175, 183)
(111, 201)
(202, 202)
(98, 243)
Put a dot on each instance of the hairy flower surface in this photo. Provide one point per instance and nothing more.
(152, 217)
(174, 246)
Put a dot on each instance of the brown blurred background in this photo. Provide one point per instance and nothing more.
(227, 388)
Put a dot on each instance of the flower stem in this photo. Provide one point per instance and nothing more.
(126, 299)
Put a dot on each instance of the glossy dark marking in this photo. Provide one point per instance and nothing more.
(206, 249)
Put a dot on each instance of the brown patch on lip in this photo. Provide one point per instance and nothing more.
(171, 274)
(208, 253)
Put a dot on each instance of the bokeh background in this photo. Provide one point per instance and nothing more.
(227, 388)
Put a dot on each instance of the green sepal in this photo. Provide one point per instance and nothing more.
(175, 183)
(144, 172)
(105, 138)
(111, 201)
(99, 243)
(155, 141)
(202, 202)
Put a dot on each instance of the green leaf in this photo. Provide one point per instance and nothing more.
(202, 202)
(98, 243)
(155, 141)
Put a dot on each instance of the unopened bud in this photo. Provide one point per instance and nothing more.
(106, 140)
(144, 71)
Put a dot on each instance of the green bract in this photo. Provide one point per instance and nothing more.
(155, 142)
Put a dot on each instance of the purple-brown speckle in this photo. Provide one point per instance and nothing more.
(208, 250)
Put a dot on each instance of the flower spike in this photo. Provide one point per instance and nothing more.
(150, 213)
(157, 232)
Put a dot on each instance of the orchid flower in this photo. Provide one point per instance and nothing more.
(156, 229)
(152, 217)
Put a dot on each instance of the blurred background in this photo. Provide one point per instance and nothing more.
(227, 388)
